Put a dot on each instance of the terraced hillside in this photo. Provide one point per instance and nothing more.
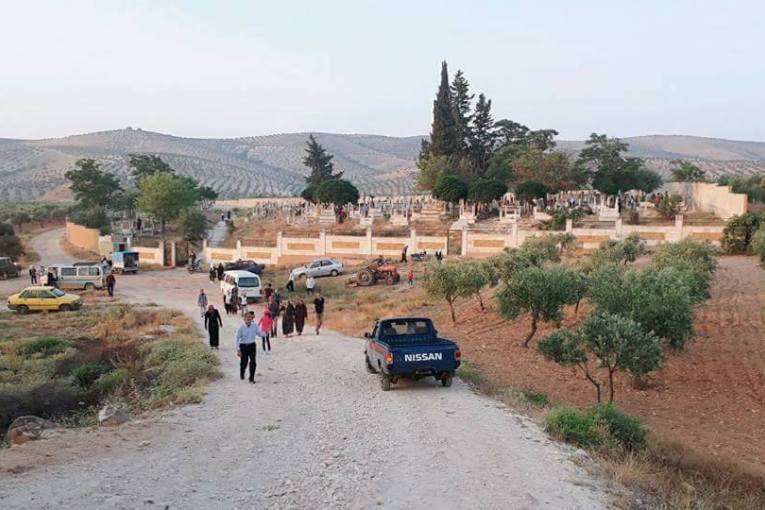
(272, 165)
(241, 167)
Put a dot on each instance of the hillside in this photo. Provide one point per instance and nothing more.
(272, 165)
(263, 165)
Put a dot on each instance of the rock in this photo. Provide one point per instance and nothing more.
(27, 428)
(113, 415)
(152, 373)
(167, 328)
(145, 443)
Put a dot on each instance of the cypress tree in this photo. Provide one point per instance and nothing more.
(484, 135)
(444, 136)
(462, 103)
(320, 163)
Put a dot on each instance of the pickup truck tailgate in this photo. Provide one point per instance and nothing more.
(441, 356)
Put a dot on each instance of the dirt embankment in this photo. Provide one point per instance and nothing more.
(710, 399)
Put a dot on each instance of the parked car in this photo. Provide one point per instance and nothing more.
(409, 347)
(86, 277)
(248, 284)
(245, 265)
(322, 267)
(43, 298)
(8, 268)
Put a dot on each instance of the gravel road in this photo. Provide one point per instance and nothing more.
(314, 431)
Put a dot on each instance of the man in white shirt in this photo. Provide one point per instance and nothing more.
(310, 283)
(246, 345)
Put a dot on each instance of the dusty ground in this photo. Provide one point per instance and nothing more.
(315, 431)
(710, 399)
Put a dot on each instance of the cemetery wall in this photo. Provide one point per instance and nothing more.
(710, 197)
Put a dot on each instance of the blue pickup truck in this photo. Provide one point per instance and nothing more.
(409, 347)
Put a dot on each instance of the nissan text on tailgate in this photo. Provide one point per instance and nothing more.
(409, 347)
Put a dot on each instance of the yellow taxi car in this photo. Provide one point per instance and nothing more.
(43, 298)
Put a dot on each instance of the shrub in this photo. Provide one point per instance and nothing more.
(625, 429)
(758, 244)
(738, 232)
(44, 345)
(182, 364)
(111, 381)
(535, 398)
(669, 207)
(603, 426)
(579, 427)
(86, 374)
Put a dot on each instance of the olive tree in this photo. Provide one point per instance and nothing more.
(698, 259)
(444, 281)
(660, 300)
(474, 276)
(540, 292)
(616, 343)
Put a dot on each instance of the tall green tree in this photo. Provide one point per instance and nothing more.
(613, 172)
(336, 191)
(147, 164)
(444, 134)
(92, 187)
(165, 196)
(319, 161)
(450, 188)
(462, 104)
(483, 136)
(685, 171)
(444, 281)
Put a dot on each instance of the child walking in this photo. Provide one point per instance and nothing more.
(265, 324)
(410, 277)
(243, 305)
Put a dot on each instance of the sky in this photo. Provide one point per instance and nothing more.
(246, 68)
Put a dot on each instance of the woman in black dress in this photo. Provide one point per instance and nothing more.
(301, 313)
(288, 321)
(213, 323)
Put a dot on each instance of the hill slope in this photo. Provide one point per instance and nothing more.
(272, 165)
(264, 165)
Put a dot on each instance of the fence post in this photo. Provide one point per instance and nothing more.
(679, 227)
(279, 251)
(464, 246)
(413, 240)
(514, 234)
(618, 227)
(569, 225)
(368, 250)
(239, 249)
(323, 242)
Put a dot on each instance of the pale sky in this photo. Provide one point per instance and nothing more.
(243, 68)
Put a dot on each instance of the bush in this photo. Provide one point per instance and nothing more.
(603, 426)
(182, 364)
(45, 346)
(111, 381)
(758, 244)
(698, 260)
(86, 374)
(626, 430)
(535, 398)
(579, 427)
(738, 232)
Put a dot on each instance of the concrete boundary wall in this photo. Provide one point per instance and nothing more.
(710, 197)
(477, 244)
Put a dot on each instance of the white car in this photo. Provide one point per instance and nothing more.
(322, 267)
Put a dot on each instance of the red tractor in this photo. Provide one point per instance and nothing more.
(374, 273)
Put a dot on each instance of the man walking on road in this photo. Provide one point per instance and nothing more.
(246, 346)
(310, 283)
(33, 275)
(202, 301)
(318, 305)
(111, 281)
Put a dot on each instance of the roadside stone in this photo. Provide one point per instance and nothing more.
(27, 428)
(113, 415)
(167, 328)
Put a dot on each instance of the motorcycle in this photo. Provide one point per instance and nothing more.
(196, 267)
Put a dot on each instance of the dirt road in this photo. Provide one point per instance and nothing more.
(315, 431)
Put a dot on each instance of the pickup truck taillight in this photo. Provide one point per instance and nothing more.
(389, 358)
(458, 355)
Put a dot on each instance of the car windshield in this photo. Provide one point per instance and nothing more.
(57, 292)
(248, 282)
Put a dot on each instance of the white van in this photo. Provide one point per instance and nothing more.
(79, 276)
(248, 284)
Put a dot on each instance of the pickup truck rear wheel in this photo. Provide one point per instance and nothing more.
(370, 368)
(446, 381)
(385, 382)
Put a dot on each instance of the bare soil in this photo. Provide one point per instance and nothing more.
(709, 399)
